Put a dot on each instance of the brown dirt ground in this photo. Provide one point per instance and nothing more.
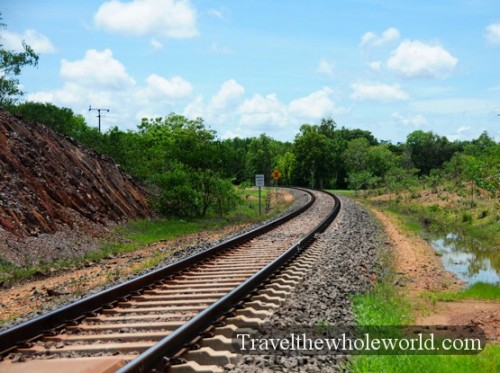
(420, 270)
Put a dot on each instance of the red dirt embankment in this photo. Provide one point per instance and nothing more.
(50, 184)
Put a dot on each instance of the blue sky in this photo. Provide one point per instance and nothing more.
(251, 67)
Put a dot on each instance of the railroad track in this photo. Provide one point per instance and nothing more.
(152, 321)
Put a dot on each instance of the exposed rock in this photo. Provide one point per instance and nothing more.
(49, 183)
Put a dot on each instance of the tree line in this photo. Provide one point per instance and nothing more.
(194, 171)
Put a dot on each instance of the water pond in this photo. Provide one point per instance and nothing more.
(471, 260)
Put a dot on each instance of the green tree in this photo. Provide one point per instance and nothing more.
(360, 180)
(381, 160)
(433, 180)
(318, 152)
(356, 155)
(478, 165)
(399, 178)
(357, 162)
(428, 150)
(287, 164)
(261, 157)
(11, 64)
(472, 173)
(351, 134)
(232, 154)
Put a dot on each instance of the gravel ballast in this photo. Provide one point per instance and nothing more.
(347, 266)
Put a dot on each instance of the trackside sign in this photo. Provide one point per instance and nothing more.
(259, 180)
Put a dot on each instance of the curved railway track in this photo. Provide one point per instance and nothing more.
(142, 324)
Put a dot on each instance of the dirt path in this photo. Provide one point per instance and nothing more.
(420, 270)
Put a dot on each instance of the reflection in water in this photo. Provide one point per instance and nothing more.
(470, 260)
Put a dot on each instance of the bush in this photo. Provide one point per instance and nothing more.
(179, 196)
(190, 193)
(434, 208)
(466, 217)
(225, 196)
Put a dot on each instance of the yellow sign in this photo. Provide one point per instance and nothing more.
(276, 174)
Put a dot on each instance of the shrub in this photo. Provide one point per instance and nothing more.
(193, 193)
(434, 208)
(466, 217)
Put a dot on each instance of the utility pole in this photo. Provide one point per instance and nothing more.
(98, 114)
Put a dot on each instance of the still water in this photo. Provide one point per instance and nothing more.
(469, 259)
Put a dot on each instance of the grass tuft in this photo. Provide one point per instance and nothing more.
(479, 291)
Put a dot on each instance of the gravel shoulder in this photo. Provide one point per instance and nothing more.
(348, 266)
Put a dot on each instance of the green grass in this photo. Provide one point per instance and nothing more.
(388, 305)
(144, 232)
(487, 361)
(343, 192)
(255, 191)
(406, 220)
(382, 306)
(138, 234)
(479, 291)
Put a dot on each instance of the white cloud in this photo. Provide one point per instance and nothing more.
(464, 132)
(157, 45)
(232, 135)
(315, 106)
(325, 67)
(229, 94)
(196, 109)
(368, 37)
(415, 59)
(240, 116)
(217, 13)
(262, 111)
(100, 80)
(375, 65)
(462, 129)
(416, 120)
(493, 33)
(378, 92)
(167, 18)
(222, 108)
(175, 88)
(371, 39)
(97, 70)
(39, 42)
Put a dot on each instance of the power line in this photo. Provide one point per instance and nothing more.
(98, 114)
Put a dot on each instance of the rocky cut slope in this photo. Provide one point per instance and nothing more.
(49, 183)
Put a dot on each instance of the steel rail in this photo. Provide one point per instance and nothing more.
(58, 319)
(183, 335)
